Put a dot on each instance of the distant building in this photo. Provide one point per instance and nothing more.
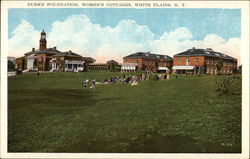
(109, 65)
(12, 59)
(146, 61)
(11, 63)
(87, 62)
(67, 61)
(50, 59)
(204, 61)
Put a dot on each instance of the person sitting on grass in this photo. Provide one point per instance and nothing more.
(92, 84)
(84, 83)
(92, 87)
(135, 81)
(106, 81)
(165, 76)
(126, 80)
(156, 78)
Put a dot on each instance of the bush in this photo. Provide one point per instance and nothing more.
(228, 85)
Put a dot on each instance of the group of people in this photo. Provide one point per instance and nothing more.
(130, 79)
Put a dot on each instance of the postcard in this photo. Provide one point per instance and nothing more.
(125, 79)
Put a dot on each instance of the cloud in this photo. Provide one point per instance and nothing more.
(180, 40)
(79, 34)
(24, 37)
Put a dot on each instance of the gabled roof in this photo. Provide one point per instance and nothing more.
(112, 61)
(205, 52)
(148, 55)
(48, 50)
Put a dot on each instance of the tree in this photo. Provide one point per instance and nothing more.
(11, 65)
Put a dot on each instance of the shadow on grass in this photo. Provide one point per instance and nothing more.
(51, 96)
(37, 104)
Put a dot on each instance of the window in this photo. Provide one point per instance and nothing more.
(137, 61)
(187, 61)
(211, 61)
(207, 70)
(215, 62)
(207, 61)
(197, 59)
(179, 59)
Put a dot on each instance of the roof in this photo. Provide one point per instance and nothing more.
(112, 61)
(67, 54)
(88, 59)
(205, 52)
(43, 32)
(148, 55)
(183, 68)
(98, 64)
(48, 50)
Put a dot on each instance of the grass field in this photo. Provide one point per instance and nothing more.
(53, 113)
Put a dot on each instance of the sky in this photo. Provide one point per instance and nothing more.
(112, 33)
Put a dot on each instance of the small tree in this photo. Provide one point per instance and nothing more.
(227, 85)
(11, 65)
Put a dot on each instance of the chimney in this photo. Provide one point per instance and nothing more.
(193, 48)
(33, 49)
(54, 48)
(70, 51)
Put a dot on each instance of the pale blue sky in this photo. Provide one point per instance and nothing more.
(201, 22)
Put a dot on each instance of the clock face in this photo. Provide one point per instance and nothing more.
(43, 36)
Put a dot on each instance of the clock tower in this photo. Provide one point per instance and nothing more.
(43, 41)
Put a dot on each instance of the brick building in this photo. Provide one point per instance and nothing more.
(50, 59)
(146, 61)
(204, 61)
(67, 61)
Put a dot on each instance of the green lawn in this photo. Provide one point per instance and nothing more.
(53, 113)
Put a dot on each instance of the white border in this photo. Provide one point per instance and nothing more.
(244, 6)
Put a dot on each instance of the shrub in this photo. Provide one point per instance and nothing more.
(228, 85)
